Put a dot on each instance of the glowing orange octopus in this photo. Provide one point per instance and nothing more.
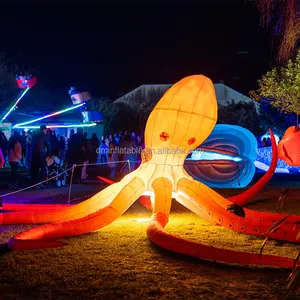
(182, 120)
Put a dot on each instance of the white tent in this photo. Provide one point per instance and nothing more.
(226, 95)
(144, 92)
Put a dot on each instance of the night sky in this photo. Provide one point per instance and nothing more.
(110, 48)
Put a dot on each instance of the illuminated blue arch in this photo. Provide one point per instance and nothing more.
(226, 158)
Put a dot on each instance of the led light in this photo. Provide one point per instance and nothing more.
(207, 155)
(58, 126)
(15, 104)
(265, 168)
(72, 125)
(49, 116)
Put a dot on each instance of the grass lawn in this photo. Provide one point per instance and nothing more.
(118, 262)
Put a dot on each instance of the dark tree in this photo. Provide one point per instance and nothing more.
(109, 110)
(258, 120)
(7, 82)
(7, 76)
(284, 17)
(241, 114)
(271, 117)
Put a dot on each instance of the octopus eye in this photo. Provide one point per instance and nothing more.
(191, 141)
(164, 136)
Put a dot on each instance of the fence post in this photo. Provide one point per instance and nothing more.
(71, 181)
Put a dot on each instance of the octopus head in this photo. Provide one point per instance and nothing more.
(182, 119)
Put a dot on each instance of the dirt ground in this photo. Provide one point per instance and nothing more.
(119, 262)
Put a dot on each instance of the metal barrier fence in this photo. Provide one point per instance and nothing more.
(93, 164)
(71, 178)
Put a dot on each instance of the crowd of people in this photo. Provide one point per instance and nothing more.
(33, 148)
(120, 147)
(266, 141)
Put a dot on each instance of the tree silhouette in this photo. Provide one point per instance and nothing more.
(271, 117)
(284, 17)
(242, 114)
(108, 108)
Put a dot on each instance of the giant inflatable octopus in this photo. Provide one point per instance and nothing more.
(181, 120)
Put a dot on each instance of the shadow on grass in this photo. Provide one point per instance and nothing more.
(4, 249)
(78, 238)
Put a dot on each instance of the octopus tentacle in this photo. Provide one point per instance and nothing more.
(263, 217)
(247, 195)
(162, 188)
(144, 200)
(40, 237)
(192, 206)
(163, 197)
(254, 223)
(98, 201)
(159, 236)
(34, 207)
